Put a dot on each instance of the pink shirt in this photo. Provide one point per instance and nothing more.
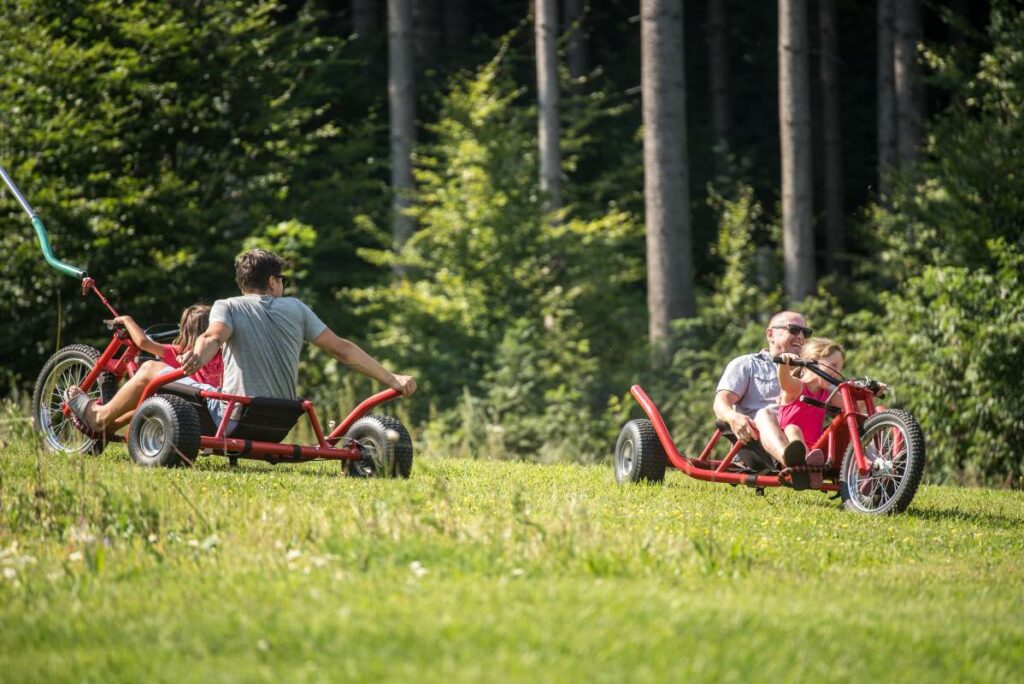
(808, 418)
(211, 374)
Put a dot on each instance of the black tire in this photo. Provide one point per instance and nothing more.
(894, 444)
(639, 456)
(384, 455)
(164, 432)
(67, 367)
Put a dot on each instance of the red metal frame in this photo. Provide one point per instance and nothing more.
(324, 449)
(833, 441)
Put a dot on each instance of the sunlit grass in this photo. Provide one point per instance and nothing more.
(477, 570)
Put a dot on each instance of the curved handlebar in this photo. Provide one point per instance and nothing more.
(873, 386)
(37, 224)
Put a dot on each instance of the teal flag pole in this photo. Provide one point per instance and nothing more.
(44, 239)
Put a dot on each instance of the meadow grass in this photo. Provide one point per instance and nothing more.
(491, 571)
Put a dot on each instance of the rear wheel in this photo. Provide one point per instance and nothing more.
(164, 432)
(67, 368)
(893, 444)
(386, 446)
(639, 456)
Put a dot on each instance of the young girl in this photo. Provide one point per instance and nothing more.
(194, 321)
(803, 422)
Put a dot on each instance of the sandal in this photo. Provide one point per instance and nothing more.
(816, 457)
(794, 456)
(76, 413)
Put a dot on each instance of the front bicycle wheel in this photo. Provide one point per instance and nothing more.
(893, 445)
(68, 367)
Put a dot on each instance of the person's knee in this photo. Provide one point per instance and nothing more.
(765, 415)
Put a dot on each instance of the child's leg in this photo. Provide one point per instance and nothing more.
(793, 433)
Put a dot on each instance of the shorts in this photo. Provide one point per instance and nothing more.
(214, 406)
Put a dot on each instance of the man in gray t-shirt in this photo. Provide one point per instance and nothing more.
(262, 333)
(748, 392)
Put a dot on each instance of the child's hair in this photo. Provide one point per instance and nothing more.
(194, 321)
(821, 347)
(818, 348)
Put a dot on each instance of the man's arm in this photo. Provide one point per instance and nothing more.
(742, 426)
(355, 358)
(206, 347)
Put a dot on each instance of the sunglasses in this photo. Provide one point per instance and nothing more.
(284, 279)
(795, 329)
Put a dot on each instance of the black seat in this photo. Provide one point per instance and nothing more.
(264, 419)
(752, 457)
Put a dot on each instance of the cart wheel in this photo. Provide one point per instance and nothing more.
(164, 432)
(386, 445)
(66, 368)
(894, 446)
(638, 454)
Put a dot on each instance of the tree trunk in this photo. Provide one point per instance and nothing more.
(906, 24)
(885, 85)
(718, 59)
(546, 37)
(831, 126)
(402, 110)
(428, 32)
(795, 139)
(666, 174)
(364, 18)
(456, 23)
(574, 17)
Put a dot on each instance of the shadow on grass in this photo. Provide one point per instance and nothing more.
(957, 514)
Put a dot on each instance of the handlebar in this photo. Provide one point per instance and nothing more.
(870, 385)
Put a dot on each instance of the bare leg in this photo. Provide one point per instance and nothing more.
(98, 416)
(772, 438)
(793, 433)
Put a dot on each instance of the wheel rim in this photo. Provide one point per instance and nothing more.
(625, 458)
(886, 448)
(372, 463)
(58, 430)
(152, 437)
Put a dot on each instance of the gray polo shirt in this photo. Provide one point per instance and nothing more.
(261, 358)
(754, 377)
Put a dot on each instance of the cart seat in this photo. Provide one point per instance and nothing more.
(264, 419)
(752, 457)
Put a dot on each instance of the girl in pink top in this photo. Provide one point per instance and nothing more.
(803, 422)
(194, 321)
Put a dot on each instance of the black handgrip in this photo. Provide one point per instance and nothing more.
(794, 362)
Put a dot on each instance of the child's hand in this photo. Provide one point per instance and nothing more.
(882, 390)
(122, 320)
(787, 358)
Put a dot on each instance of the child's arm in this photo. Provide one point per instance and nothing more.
(139, 336)
(790, 386)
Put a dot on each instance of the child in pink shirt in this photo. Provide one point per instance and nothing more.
(803, 422)
(194, 321)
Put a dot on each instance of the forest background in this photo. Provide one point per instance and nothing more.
(157, 139)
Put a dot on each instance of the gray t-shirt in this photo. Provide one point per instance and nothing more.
(261, 358)
(755, 378)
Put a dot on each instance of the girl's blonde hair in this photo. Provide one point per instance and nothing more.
(194, 322)
(818, 348)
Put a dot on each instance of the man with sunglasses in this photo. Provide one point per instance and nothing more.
(748, 393)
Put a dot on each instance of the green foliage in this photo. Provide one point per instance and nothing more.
(530, 314)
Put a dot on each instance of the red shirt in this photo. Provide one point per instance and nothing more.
(210, 374)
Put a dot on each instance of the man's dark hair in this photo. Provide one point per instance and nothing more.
(254, 268)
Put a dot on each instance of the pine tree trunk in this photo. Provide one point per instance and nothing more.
(427, 15)
(832, 133)
(906, 32)
(886, 87)
(795, 138)
(718, 61)
(402, 110)
(364, 18)
(546, 37)
(574, 18)
(666, 173)
(456, 23)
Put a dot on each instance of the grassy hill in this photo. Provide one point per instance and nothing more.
(490, 571)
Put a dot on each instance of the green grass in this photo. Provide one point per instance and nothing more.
(489, 571)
